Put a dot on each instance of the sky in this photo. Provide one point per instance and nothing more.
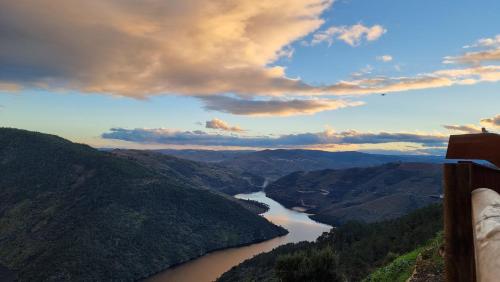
(377, 76)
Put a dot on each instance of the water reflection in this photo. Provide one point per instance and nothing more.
(208, 267)
(300, 226)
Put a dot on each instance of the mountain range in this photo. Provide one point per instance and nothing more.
(273, 164)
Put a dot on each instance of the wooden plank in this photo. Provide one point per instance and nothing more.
(459, 249)
(483, 146)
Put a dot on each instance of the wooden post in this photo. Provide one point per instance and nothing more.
(459, 249)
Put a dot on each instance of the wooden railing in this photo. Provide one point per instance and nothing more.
(460, 179)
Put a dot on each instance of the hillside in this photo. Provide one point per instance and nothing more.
(350, 252)
(210, 156)
(424, 264)
(70, 212)
(203, 175)
(367, 194)
(274, 164)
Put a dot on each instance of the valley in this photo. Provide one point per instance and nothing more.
(209, 267)
(166, 218)
(68, 211)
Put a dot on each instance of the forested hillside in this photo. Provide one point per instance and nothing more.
(347, 253)
(69, 212)
(367, 194)
(203, 175)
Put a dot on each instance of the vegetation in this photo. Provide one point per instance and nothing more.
(308, 265)
(70, 212)
(397, 271)
(363, 194)
(254, 206)
(202, 175)
(422, 264)
(347, 253)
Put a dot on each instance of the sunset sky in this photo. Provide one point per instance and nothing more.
(252, 74)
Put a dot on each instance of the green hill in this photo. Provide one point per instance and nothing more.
(204, 175)
(366, 194)
(70, 212)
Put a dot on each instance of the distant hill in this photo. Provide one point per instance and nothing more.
(204, 175)
(367, 194)
(71, 213)
(274, 164)
(210, 156)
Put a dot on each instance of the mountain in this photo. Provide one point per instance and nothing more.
(204, 175)
(352, 252)
(69, 212)
(274, 164)
(367, 194)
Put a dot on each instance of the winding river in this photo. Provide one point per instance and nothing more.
(210, 266)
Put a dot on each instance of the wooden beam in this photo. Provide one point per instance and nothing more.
(482, 146)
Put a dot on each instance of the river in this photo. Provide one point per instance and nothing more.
(209, 267)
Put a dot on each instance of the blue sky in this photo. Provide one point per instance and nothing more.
(54, 90)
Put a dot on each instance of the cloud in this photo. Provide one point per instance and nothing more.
(486, 42)
(384, 58)
(195, 48)
(9, 87)
(222, 125)
(475, 57)
(468, 128)
(436, 79)
(352, 35)
(142, 48)
(492, 122)
(490, 52)
(473, 74)
(489, 123)
(328, 137)
(274, 107)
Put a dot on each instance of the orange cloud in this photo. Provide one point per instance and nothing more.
(196, 48)
(222, 125)
(468, 128)
(141, 48)
(274, 107)
(492, 122)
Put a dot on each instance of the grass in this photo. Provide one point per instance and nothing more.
(398, 270)
(426, 259)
